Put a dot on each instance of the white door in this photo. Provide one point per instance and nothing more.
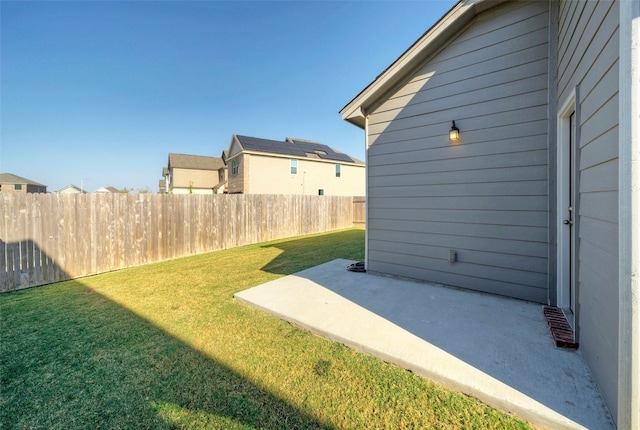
(568, 221)
(567, 213)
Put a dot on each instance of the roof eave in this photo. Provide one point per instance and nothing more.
(355, 117)
(430, 42)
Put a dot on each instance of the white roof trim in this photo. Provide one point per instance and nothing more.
(454, 20)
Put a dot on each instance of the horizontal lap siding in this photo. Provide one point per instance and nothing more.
(588, 59)
(487, 197)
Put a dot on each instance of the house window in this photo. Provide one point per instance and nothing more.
(338, 167)
(235, 166)
(17, 187)
(294, 166)
(321, 192)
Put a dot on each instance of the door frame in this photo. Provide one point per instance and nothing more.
(567, 183)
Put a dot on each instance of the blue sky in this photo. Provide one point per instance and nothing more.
(100, 93)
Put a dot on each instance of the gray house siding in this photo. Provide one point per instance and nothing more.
(588, 59)
(487, 198)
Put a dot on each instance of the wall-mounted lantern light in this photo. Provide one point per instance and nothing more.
(454, 133)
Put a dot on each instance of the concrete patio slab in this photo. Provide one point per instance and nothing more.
(496, 349)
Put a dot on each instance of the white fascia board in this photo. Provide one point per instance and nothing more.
(629, 218)
(454, 20)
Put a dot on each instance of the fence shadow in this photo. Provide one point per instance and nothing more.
(299, 254)
(71, 355)
(25, 264)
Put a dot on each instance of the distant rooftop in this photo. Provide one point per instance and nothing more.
(70, 188)
(10, 178)
(199, 162)
(295, 147)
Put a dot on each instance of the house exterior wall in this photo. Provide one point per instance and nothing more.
(222, 186)
(236, 182)
(24, 188)
(265, 174)
(486, 198)
(272, 175)
(588, 64)
(192, 181)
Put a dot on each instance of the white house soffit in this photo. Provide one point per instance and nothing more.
(454, 20)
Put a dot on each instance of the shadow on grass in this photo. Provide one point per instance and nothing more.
(299, 254)
(71, 358)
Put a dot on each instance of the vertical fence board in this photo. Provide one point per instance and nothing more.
(186, 225)
(162, 228)
(34, 227)
(52, 243)
(3, 257)
(117, 233)
(17, 266)
(221, 232)
(123, 234)
(140, 216)
(96, 242)
(45, 258)
(68, 249)
(85, 233)
(19, 249)
(4, 222)
(152, 237)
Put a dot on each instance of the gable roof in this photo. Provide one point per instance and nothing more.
(426, 46)
(198, 162)
(10, 178)
(298, 148)
(70, 188)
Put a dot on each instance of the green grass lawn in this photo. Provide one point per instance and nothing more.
(166, 346)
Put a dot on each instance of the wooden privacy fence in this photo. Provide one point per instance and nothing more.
(47, 238)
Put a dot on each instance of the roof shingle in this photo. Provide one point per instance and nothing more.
(199, 162)
(10, 178)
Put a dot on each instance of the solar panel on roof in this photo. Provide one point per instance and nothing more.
(295, 147)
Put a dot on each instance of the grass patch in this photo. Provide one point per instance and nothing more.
(166, 346)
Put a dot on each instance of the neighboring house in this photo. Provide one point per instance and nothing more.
(70, 189)
(164, 183)
(223, 175)
(293, 166)
(192, 174)
(537, 198)
(10, 183)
